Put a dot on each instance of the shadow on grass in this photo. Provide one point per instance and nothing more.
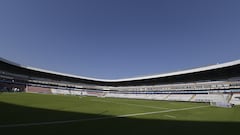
(14, 114)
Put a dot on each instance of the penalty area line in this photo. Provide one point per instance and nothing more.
(98, 118)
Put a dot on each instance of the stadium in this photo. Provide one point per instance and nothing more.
(216, 83)
(204, 99)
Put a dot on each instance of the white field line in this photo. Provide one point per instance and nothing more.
(170, 116)
(163, 111)
(145, 106)
(99, 118)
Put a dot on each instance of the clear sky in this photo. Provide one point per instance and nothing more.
(112, 39)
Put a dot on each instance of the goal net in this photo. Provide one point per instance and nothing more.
(219, 99)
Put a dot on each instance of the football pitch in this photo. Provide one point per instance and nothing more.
(25, 113)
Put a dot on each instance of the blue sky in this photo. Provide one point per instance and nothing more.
(113, 39)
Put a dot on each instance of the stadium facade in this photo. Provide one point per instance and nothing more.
(217, 84)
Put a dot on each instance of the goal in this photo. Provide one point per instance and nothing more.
(220, 99)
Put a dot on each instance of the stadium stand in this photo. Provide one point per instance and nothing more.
(34, 89)
(95, 93)
(77, 92)
(60, 91)
(210, 97)
(180, 97)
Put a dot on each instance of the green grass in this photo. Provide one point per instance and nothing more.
(99, 116)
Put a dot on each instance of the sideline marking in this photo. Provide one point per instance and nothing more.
(154, 107)
(92, 119)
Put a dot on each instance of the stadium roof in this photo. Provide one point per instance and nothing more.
(133, 79)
